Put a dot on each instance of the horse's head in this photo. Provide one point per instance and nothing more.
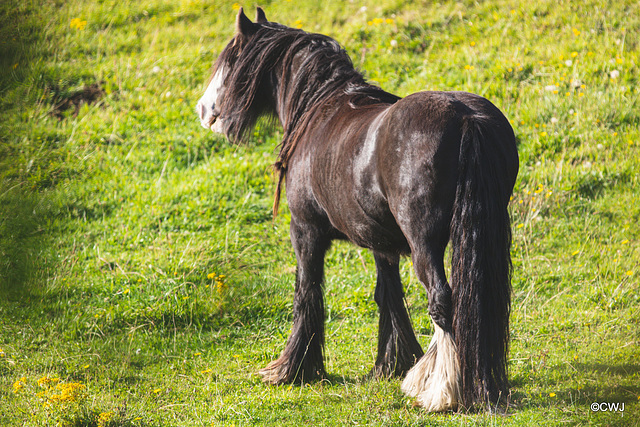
(211, 107)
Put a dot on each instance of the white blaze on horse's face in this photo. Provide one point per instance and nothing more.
(207, 104)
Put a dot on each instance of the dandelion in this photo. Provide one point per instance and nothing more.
(543, 134)
(614, 74)
(468, 67)
(576, 252)
(552, 394)
(576, 32)
(157, 390)
(236, 6)
(297, 24)
(211, 275)
(629, 273)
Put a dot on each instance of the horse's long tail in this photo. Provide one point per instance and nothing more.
(481, 262)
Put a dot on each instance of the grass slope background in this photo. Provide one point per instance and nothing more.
(144, 281)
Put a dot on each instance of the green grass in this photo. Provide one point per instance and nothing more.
(142, 271)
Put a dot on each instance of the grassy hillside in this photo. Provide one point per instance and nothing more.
(144, 281)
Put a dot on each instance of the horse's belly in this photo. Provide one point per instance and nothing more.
(373, 230)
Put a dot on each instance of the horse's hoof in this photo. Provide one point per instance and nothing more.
(275, 373)
(435, 380)
(281, 372)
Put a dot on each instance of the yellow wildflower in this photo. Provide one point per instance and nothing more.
(19, 385)
(104, 418)
(69, 392)
(47, 382)
(78, 24)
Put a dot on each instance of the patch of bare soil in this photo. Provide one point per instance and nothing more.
(89, 94)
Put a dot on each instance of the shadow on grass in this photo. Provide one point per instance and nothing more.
(606, 384)
(24, 243)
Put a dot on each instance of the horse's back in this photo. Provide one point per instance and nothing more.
(424, 131)
(371, 170)
(419, 155)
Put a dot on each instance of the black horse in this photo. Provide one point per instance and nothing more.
(397, 176)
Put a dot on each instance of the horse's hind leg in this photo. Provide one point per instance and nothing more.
(302, 357)
(435, 380)
(398, 348)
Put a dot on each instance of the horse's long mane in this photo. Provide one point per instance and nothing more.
(313, 69)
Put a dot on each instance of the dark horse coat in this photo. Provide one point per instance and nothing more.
(397, 176)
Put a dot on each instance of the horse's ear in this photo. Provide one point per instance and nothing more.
(261, 18)
(244, 25)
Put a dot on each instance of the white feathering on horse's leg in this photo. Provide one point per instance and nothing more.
(435, 380)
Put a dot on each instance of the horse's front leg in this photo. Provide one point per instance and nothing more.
(302, 357)
(398, 348)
